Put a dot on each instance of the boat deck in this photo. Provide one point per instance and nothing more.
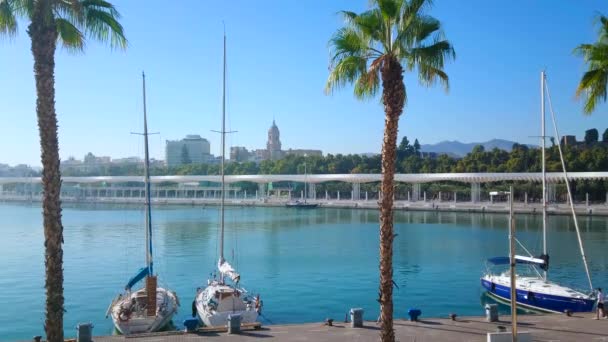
(550, 327)
(536, 284)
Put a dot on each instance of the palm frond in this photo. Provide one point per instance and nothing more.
(8, 21)
(433, 55)
(103, 26)
(583, 50)
(368, 83)
(349, 42)
(412, 10)
(371, 25)
(428, 75)
(418, 30)
(593, 84)
(348, 16)
(390, 9)
(346, 70)
(101, 5)
(69, 35)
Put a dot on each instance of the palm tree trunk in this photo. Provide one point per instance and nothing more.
(44, 39)
(393, 97)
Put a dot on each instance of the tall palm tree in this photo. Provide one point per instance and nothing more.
(68, 22)
(374, 47)
(594, 82)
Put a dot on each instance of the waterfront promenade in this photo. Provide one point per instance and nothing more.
(553, 327)
(582, 208)
(204, 190)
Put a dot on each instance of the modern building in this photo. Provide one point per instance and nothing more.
(568, 140)
(193, 149)
(239, 154)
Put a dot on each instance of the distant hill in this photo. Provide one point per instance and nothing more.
(457, 148)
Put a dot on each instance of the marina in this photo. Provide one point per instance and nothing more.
(103, 247)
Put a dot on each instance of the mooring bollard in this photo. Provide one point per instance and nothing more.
(356, 317)
(37, 338)
(234, 324)
(492, 312)
(191, 324)
(414, 314)
(84, 332)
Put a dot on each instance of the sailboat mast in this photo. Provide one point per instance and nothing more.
(542, 144)
(147, 185)
(223, 155)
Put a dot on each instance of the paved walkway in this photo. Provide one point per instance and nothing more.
(542, 327)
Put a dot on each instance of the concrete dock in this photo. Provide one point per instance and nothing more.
(582, 209)
(553, 327)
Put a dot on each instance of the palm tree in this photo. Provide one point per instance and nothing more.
(374, 47)
(67, 22)
(594, 81)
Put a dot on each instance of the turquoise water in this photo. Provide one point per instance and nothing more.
(307, 264)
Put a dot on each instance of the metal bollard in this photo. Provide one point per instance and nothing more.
(190, 324)
(84, 332)
(356, 317)
(492, 312)
(414, 314)
(234, 324)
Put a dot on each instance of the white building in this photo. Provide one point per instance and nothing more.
(191, 150)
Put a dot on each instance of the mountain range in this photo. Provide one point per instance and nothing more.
(459, 149)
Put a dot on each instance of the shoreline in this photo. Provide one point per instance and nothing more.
(581, 209)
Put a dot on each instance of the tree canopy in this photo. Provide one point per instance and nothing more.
(595, 80)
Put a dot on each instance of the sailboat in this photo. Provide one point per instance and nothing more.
(533, 288)
(302, 204)
(224, 297)
(150, 308)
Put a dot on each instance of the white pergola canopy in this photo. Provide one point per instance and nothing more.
(552, 177)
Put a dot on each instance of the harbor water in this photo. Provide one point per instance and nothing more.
(307, 265)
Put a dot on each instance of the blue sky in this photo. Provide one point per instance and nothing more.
(277, 68)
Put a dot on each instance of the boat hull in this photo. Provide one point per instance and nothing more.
(141, 323)
(216, 302)
(302, 205)
(537, 300)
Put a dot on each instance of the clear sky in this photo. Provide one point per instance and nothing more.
(277, 68)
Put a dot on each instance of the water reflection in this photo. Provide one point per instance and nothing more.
(307, 264)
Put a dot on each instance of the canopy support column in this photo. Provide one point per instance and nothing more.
(415, 192)
(356, 191)
(475, 192)
(551, 192)
(312, 191)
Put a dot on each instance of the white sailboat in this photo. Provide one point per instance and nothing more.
(220, 299)
(534, 290)
(150, 308)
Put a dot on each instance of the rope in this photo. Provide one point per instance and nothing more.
(571, 199)
(266, 318)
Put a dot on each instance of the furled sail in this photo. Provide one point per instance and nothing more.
(542, 261)
(141, 274)
(227, 270)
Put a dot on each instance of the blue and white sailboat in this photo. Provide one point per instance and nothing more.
(150, 308)
(533, 288)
